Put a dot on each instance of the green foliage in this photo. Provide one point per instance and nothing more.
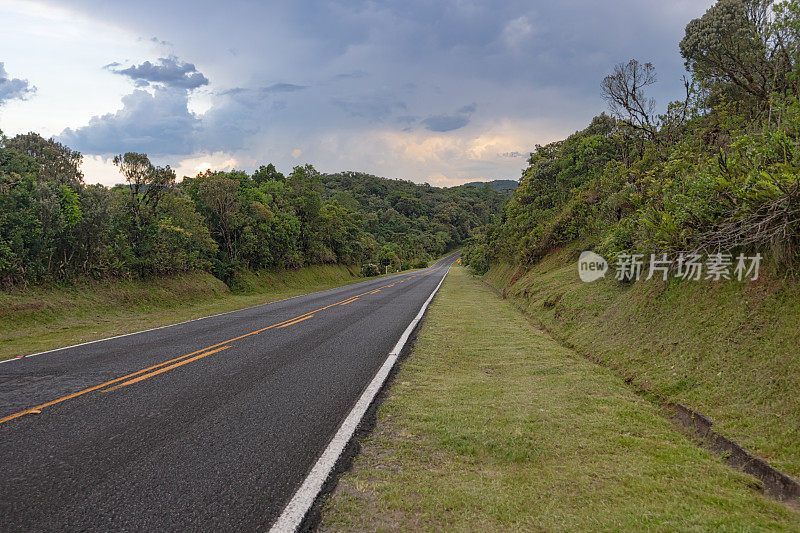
(55, 227)
(422, 221)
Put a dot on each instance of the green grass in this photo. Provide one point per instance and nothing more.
(491, 425)
(42, 318)
(729, 350)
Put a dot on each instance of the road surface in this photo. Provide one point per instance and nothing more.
(209, 424)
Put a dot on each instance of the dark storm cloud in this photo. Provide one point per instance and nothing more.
(448, 122)
(170, 71)
(531, 68)
(13, 88)
(443, 123)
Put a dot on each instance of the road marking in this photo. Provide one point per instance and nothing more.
(297, 508)
(293, 322)
(170, 367)
(17, 358)
(96, 387)
(285, 323)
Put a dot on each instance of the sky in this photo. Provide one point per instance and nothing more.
(442, 92)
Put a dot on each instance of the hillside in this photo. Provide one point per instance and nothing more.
(428, 219)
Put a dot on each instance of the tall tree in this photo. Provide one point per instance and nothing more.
(57, 163)
(624, 90)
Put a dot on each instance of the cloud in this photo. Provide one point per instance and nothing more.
(275, 88)
(156, 40)
(444, 122)
(157, 123)
(170, 71)
(516, 32)
(354, 75)
(374, 107)
(13, 88)
(283, 88)
(405, 68)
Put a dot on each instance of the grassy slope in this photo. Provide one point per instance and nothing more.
(729, 350)
(492, 425)
(40, 319)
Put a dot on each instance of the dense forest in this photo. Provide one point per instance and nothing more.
(53, 226)
(718, 172)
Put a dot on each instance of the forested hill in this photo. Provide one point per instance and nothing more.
(54, 226)
(503, 186)
(431, 218)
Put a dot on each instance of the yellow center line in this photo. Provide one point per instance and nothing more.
(170, 367)
(96, 387)
(295, 321)
(188, 358)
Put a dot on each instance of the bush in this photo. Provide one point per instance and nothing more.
(369, 270)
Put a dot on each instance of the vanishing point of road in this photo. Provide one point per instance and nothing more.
(209, 424)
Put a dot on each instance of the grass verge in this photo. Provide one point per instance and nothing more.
(492, 425)
(729, 350)
(42, 318)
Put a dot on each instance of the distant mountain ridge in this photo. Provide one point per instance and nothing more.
(503, 186)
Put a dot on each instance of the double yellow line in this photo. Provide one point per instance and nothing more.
(145, 373)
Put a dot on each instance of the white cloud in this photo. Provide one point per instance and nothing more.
(517, 32)
(99, 169)
(192, 166)
(156, 123)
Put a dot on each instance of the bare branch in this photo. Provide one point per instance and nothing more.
(623, 89)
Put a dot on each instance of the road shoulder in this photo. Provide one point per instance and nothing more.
(490, 424)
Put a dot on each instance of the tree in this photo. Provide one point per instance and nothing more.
(267, 173)
(146, 182)
(623, 89)
(57, 163)
(737, 43)
(304, 184)
(219, 193)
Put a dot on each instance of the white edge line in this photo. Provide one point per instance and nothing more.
(297, 508)
(17, 358)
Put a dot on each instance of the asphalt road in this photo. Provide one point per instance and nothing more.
(211, 424)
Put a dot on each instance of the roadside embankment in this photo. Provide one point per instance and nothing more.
(729, 350)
